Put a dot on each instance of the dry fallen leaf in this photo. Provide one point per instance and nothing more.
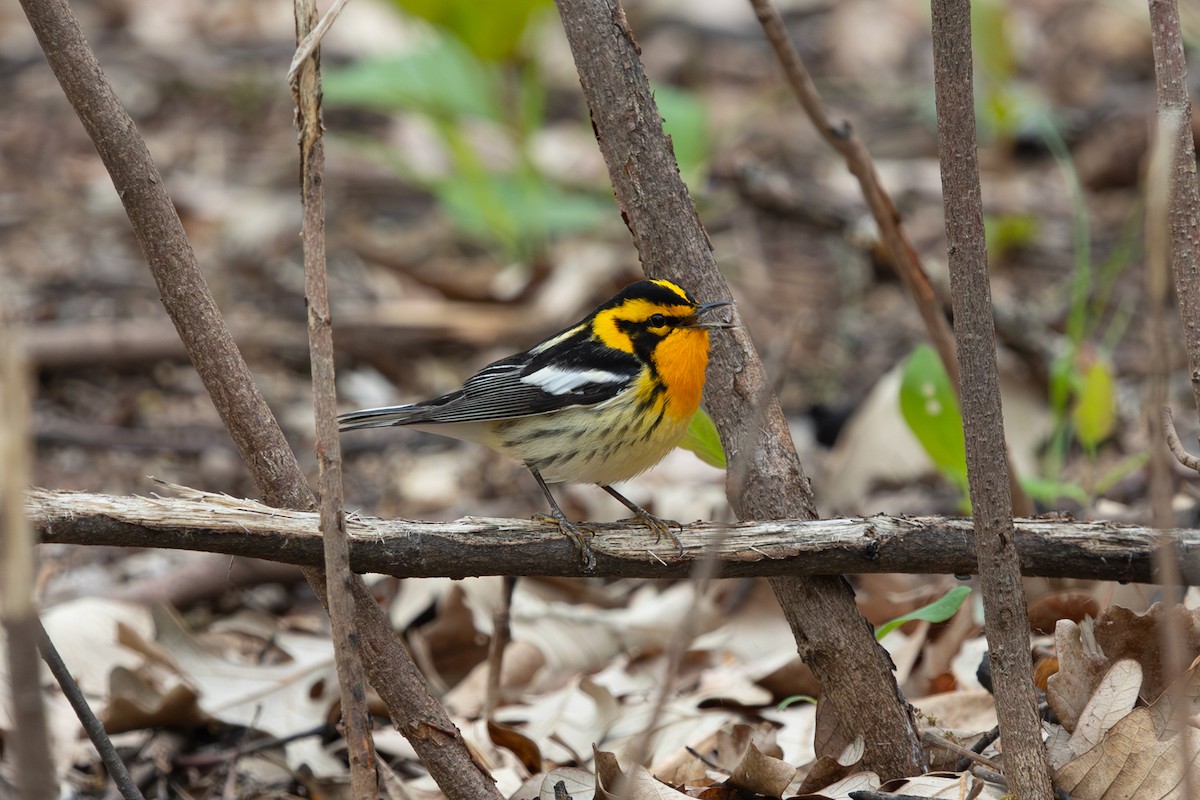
(1142, 755)
(951, 786)
(762, 774)
(1081, 665)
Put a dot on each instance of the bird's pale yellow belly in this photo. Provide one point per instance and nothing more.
(602, 444)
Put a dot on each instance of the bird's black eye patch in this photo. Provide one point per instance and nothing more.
(657, 321)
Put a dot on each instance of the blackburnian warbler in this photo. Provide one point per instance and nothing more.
(599, 402)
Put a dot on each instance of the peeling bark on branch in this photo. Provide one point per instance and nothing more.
(477, 546)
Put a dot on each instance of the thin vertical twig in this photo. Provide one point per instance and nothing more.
(1157, 300)
(1173, 235)
(356, 721)
(31, 749)
(1007, 625)
(1171, 84)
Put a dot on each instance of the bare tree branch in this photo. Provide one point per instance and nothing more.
(766, 480)
(1006, 622)
(475, 546)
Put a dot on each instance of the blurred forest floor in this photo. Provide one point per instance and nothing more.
(468, 217)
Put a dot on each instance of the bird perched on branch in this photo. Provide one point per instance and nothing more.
(599, 402)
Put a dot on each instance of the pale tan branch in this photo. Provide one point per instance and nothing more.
(479, 546)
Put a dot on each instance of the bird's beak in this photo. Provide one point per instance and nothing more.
(694, 320)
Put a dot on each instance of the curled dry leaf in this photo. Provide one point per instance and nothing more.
(1121, 633)
(520, 745)
(762, 774)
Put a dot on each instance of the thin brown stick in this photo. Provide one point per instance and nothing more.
(34, 769)
(1172, 436)
(246, 415)
(1171, 83)
(1157, 300)
(843, 138)
(219, 524)
(501, 636)
(983, 423)
(87, 718)
(356, 721)
(931, 738)
(766, 478)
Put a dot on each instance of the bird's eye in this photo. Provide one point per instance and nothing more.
(657, 321)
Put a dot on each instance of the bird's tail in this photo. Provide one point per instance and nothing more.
(377, 417)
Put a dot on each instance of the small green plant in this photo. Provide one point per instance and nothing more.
(939, 610)
(794, 699)
(471, 75)
(930, 408)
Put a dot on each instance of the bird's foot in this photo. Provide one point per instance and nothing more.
(660, 527)
(578, 535)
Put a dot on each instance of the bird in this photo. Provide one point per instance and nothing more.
(599, 402)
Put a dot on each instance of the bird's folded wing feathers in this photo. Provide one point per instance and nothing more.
(520, 386)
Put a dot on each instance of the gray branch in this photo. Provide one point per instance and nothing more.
(479, 546)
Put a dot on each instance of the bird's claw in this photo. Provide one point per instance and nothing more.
(660, 528)
(577, 534)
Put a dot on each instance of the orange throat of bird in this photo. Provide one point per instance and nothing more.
(681, 360)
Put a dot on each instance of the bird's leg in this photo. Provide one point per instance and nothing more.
(576, 533)
(659, 527)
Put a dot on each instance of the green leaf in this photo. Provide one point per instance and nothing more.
(1095, 412)
(702, 439)
(1049, 492)
(442, 79)
(519, 211)
(928, 405)
(492, 31)
(939, 610)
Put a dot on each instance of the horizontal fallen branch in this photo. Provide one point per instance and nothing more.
(477, 546)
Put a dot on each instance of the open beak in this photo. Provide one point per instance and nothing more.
(694, 320)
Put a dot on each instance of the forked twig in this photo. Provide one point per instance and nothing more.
(1182, 456)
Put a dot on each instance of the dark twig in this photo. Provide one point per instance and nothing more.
(968, 754)
(983, 424)
(672, 243)
(356, 721)
(844, 139)
(91, 723)
(981, 744)
(226, 378)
